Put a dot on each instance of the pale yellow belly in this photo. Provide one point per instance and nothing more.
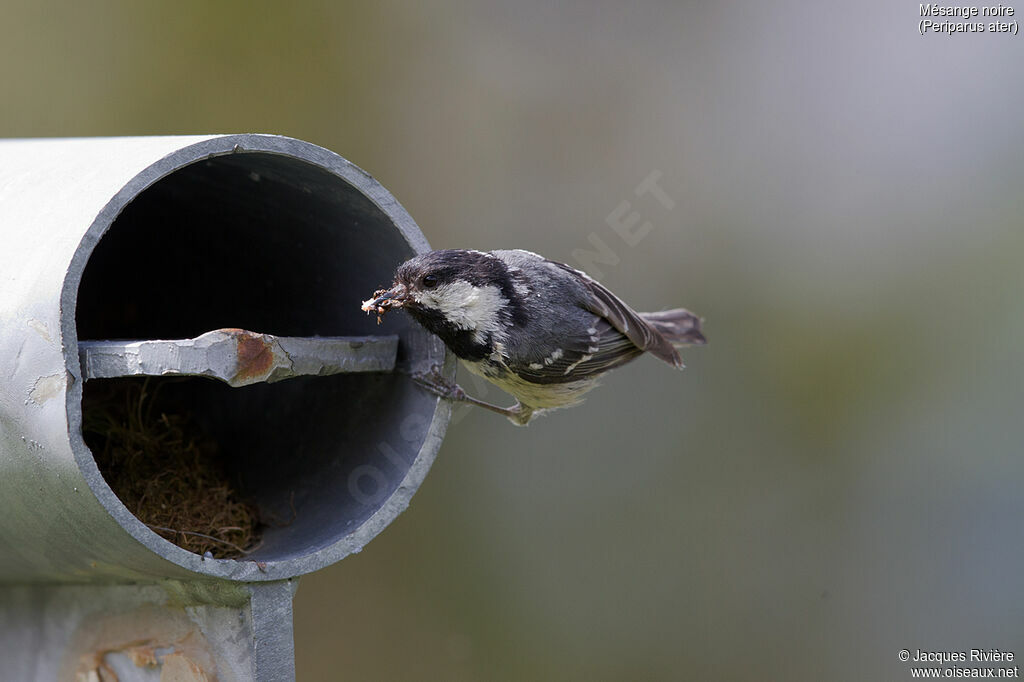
(540, 396)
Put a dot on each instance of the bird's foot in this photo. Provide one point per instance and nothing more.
(436, 383)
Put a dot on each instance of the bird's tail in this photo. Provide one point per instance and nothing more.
(679, 326)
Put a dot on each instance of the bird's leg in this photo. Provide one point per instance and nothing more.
(434, 382)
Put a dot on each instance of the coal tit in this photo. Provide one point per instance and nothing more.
(538, 329)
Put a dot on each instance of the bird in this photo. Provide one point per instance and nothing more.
(539, 329)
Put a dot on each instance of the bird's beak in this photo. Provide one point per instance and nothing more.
(383, 301)
(395, 297)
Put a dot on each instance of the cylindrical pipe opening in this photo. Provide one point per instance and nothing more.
(273, 244)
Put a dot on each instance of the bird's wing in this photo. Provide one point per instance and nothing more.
(603, 347)
(600, 301)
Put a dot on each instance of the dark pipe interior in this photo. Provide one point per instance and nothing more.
(271, 244)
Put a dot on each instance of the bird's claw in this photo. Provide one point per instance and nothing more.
(436, 383)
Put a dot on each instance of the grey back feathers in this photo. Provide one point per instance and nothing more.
(542, 320)
(578, 328)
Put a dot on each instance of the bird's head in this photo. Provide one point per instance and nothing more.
(452, 293)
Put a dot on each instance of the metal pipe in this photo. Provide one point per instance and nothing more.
(151, 239)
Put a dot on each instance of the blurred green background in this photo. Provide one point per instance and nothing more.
(837, 476)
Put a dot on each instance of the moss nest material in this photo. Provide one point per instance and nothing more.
(166, 470)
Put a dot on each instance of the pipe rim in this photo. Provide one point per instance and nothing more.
(231, 569)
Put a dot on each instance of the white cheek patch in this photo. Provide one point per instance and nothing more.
(467, 306)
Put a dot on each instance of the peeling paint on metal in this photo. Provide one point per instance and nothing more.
(47, 387)
(166, 639)
(39, 327)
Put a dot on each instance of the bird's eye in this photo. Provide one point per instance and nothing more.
(430, 281)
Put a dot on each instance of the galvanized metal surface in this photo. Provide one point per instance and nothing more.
(238, 357)
(166, 630)
(270, 613)
(345, 453)
(58, 198)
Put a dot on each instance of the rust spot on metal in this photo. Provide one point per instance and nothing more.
(255, 357)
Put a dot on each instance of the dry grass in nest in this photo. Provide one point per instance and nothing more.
(166, 470)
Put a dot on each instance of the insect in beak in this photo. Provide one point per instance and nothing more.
(384, 300)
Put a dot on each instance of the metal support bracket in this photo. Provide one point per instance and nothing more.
(239, 357)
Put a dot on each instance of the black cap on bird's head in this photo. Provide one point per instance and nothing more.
(449, 290)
